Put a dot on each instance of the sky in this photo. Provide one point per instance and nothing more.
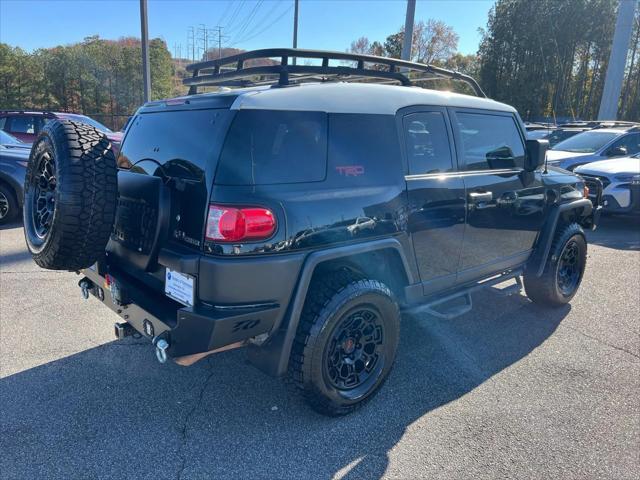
(246, 24)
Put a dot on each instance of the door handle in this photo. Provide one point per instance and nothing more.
(480, 197)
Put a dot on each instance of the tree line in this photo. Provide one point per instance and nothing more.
(548, 58)
(97, 77)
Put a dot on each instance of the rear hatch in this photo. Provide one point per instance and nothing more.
(167, 164)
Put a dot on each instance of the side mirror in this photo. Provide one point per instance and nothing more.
(617, 152)
(536, 154)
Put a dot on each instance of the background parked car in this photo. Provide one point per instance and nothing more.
(595, 145)
(13, 164)
(620, 178)
(25, 125)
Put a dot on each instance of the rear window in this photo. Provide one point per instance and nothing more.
(266, 147)
(185, 142)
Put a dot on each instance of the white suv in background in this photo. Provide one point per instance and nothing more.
(595, 145)
(620, 179)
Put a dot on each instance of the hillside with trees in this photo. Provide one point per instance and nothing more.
(101, 78)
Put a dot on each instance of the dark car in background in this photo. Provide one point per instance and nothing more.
(26, 124)
(14, 155)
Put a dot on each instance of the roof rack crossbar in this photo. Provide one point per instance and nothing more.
(211, 73)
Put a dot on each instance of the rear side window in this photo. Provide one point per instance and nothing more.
(363, 150)
(23, 124)
(266, 147)
(490, 142)
(427, 143)
(631, 142)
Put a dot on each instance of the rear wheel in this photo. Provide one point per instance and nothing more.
(346, 342)
(8, 205)
(563, 269)
(70, 196)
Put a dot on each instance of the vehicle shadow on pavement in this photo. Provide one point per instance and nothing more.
(619, 232)
(114, 412)
(11, 225)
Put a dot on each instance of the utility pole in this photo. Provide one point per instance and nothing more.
(408, 30)
(295, 27)
(144, 30)
(617, 60)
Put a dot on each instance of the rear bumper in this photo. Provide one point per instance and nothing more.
(207, 325)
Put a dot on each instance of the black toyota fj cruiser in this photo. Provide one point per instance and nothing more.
(298, 216)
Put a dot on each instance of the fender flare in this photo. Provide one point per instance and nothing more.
(273, 356)
(543, 247)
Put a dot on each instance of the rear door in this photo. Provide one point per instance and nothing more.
(436, 195)
(504, 203)
(167, 164)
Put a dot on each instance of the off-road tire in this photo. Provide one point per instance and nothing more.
(8, 195)
(546, 290)
(332, 298)
(83, 192)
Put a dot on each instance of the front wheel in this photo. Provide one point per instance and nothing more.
(563, 269)
(346, 342)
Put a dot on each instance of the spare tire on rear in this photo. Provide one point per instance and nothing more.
(70, 196)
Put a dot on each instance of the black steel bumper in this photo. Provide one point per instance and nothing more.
(205, 326)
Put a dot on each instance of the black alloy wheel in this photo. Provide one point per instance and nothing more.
(355, 356)
(41, 194)
(569, 268)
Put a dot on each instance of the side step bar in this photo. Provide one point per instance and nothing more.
(454, 311)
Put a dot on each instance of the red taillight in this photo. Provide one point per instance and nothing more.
(229, 224)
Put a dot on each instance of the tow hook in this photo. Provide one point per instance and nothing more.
(161, 349)
(85, 285)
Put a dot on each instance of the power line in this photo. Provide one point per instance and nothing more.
(242, 26)
(234, 14)
(225, 12)
(264, 19)
(242, 40)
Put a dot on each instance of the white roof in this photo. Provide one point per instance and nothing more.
(346, 97)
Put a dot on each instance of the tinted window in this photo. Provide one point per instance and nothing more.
(268, 147)
(23, 124)
(363, 150)
(3, 120)
(586, 142)
(427, 143)
(183, 143)
(630, 142)
(490, 141)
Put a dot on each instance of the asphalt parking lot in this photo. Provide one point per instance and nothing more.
(509, 390)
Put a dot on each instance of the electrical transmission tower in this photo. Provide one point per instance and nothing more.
(191, 43)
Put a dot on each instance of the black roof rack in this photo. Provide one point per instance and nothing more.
(231, 71)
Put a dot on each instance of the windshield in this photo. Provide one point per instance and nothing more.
(87, 120)
(586, 142)
(6, 139)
